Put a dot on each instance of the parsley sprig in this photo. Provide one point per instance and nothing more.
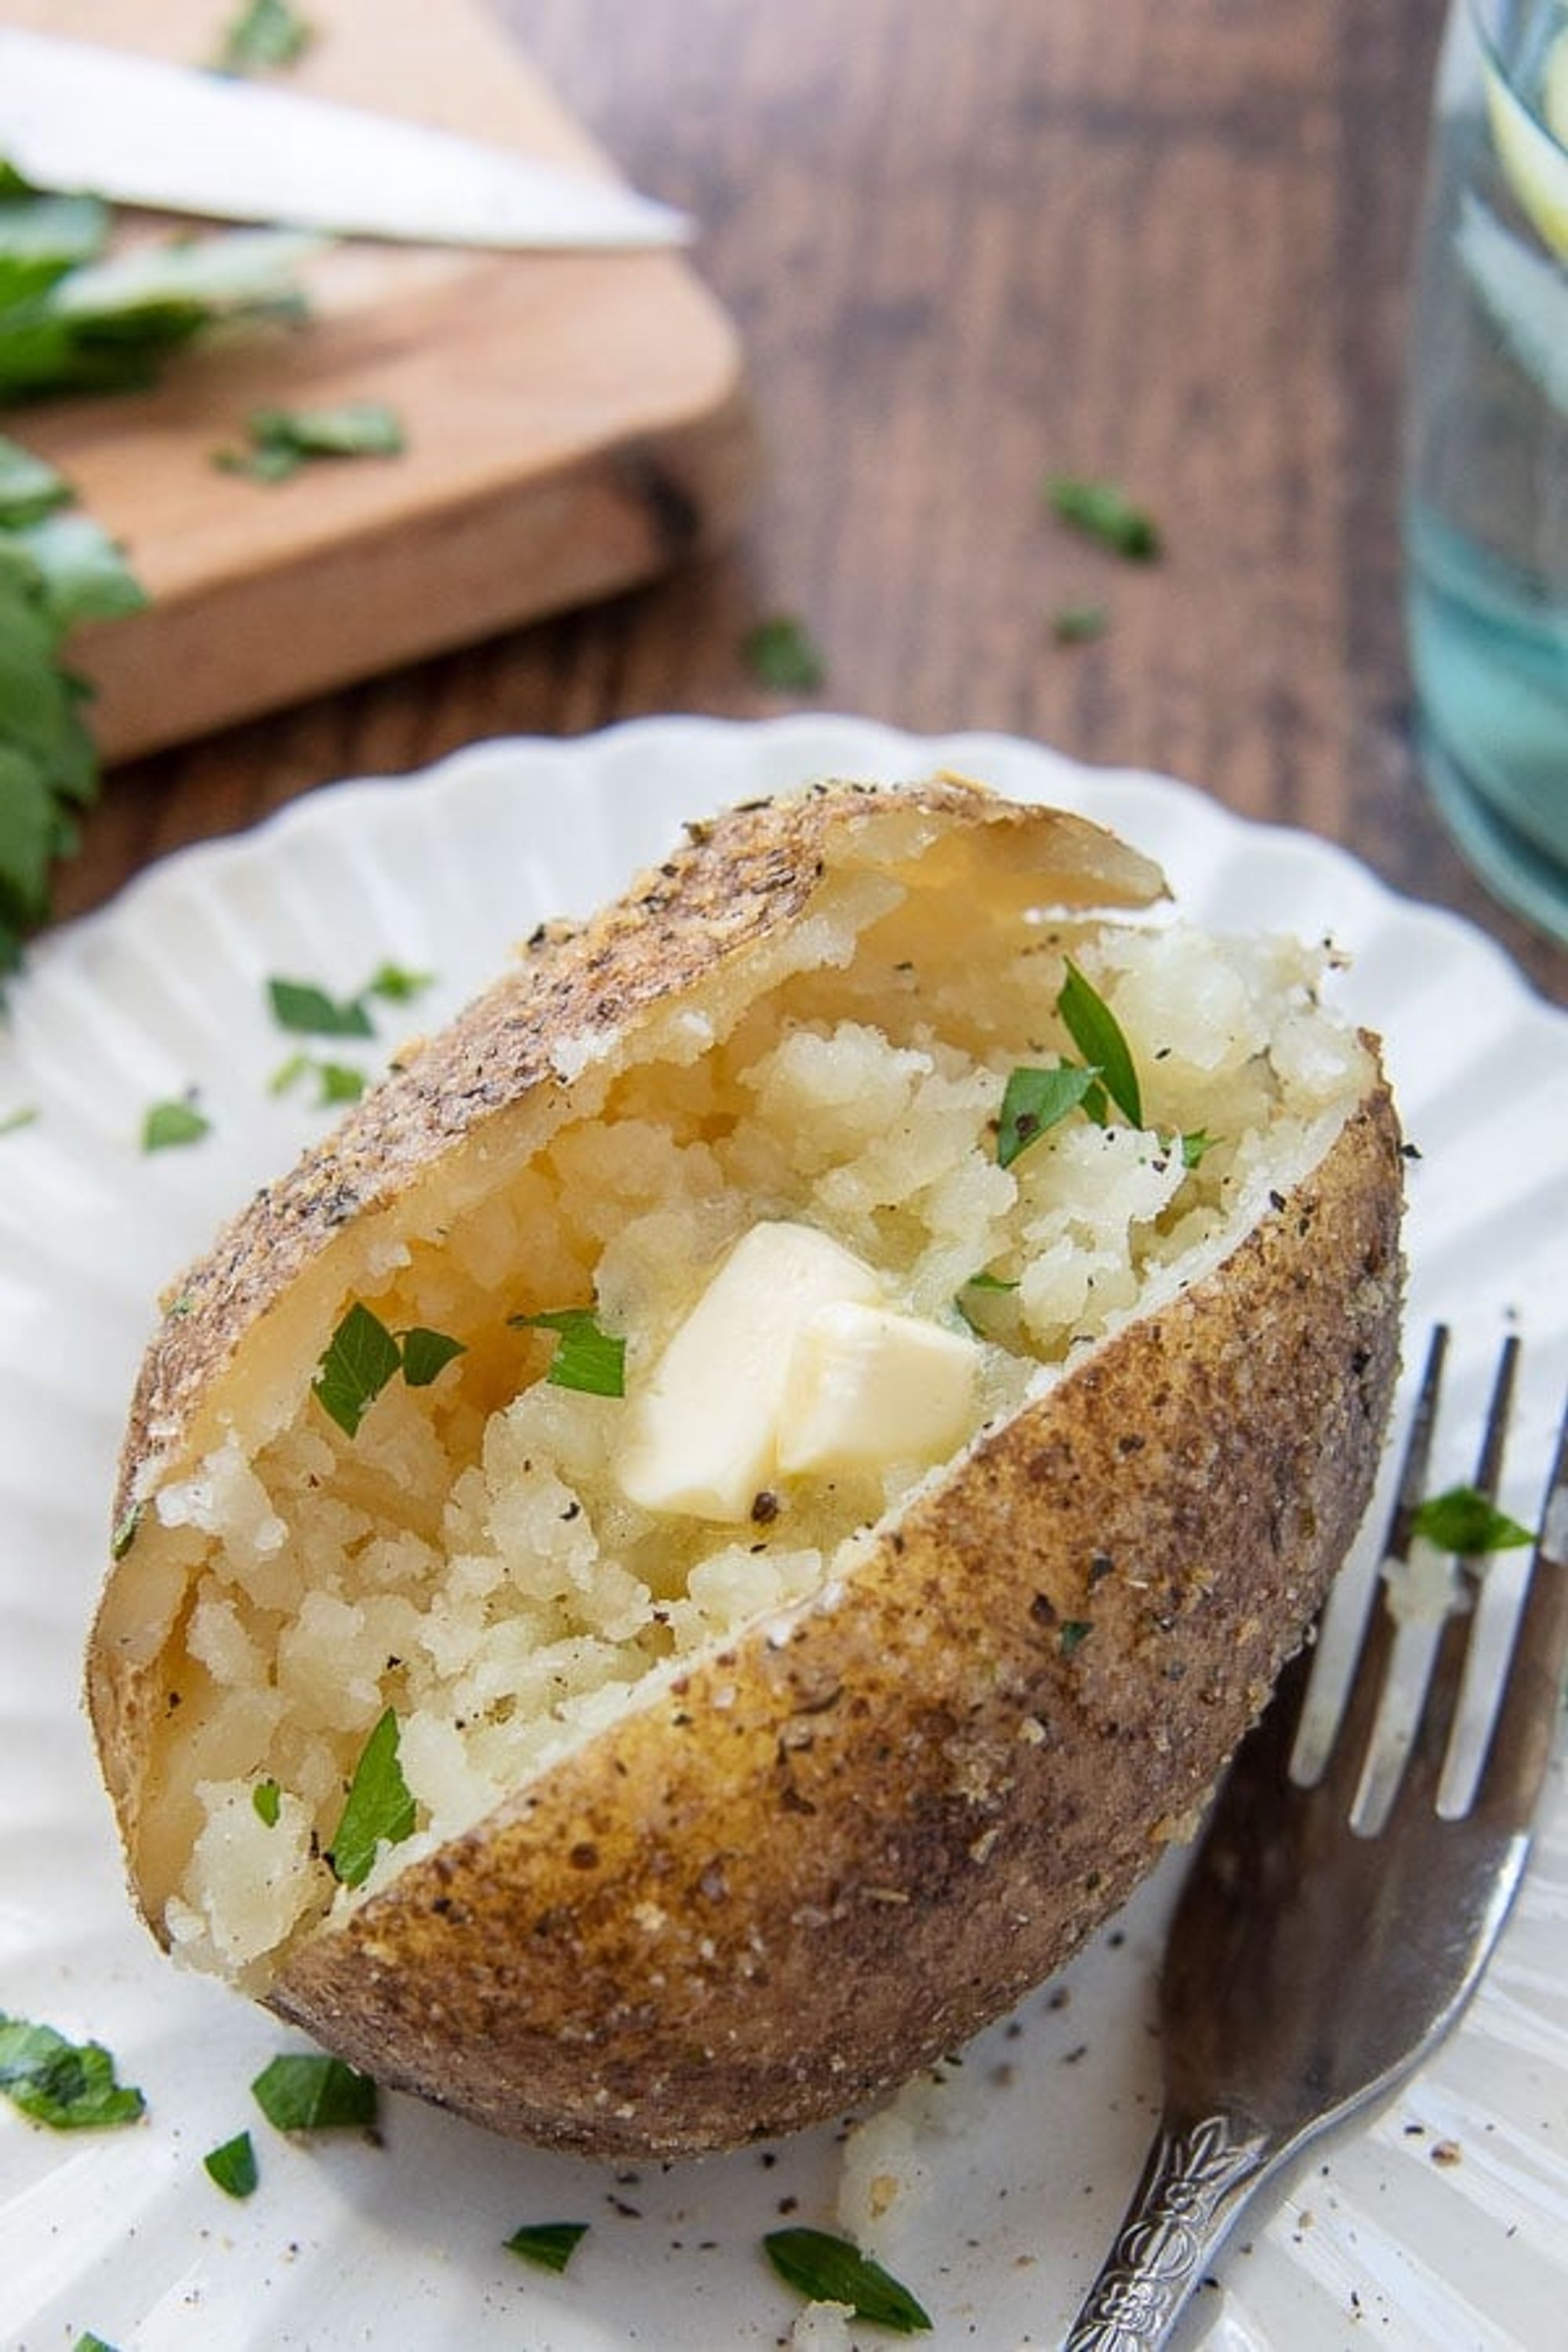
(362, 1357)
(69, 2085)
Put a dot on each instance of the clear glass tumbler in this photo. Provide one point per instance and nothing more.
(1486, 504)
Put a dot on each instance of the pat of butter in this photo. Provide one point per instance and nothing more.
(702, 1435)
(867, 1387)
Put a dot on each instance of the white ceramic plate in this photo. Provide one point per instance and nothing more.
(1443, 2225)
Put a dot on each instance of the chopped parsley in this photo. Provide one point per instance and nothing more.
(549, 2244)
(336, 1081)
(232, 2166)
(68, 2085)
(585, 1357)
(1079, 625)
(1034, 1101)
(124, 1534)
(362, 1355)
(1103, 512)
(168, 1125)
(266, 1796)
(14, 1120)
(280, 440)
(781, 654)
(379, 1809)
(265, 34)
(1074, 1631)
(1462, 1521)
(1096, 1031)
(305, 1010)
(827, 2269)
(92, 2343)
(310, 2091)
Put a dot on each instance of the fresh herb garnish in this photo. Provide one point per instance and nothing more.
(827, 2269)
(1079, 625)
(266, 1796)
(1034, 1100)
(780, 653)
(362, 1355)
(68, 2085)
(124, 1534)
(304, 2092)
(232, 2166)
(91, 2343)
(281, 440)
(549, 2244)
(14, 1120)
(299, 1006)
(1462, 1521)
(425, 1354)
(1074, 1631)
(169, 1125)
(379, 1809)
(1105, 513)
(1097, 1034)
(336, 1081)
(1195, 1144)
(585, 1357)
(265, 34)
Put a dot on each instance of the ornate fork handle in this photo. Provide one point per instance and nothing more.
(1195, 2177)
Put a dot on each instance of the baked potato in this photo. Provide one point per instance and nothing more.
(692, 1550)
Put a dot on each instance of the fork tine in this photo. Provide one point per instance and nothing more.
(1341, 1762)
(1451, 1693)
(1522, 1739)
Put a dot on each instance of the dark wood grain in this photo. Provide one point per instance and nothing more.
(967, 246)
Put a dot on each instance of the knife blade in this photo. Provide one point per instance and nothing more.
(77, 116)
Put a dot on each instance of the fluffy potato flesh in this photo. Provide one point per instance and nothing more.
(715, 1815)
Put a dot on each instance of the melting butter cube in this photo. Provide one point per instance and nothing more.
(702, 1435)
(867, 1387)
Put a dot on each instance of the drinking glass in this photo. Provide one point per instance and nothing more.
(1486, 502)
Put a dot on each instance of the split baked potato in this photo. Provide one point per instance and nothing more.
(693, 1548)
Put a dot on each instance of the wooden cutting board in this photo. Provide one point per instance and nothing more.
(575, 422)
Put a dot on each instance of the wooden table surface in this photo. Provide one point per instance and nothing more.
(968, 246)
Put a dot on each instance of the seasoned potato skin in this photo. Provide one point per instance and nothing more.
(826, 1856)
(820, 1863)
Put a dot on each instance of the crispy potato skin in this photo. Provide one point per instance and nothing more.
(830, 1854)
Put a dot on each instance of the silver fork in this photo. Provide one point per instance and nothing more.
(1272, 2032)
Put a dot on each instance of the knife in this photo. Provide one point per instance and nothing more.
(77, 117)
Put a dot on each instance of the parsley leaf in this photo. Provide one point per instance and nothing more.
(780, 653)
(549, 2245)
(308, 2091)
(379, 1809)
(828, 2269)
(362, 1356)
(1074, 1631)
(1105, 513)
(426, 1354)
(299, 1006)
(1097, 1034)
(232, 2166)
(586, 1358)
(265, 34)
(336, 1081)
(92, 2343)
(13, 1121)
(281, 440)
(1034, 1100)
(267, 1798)
(68, 2086)
(169, 1125)
(1461, 1520)
(1079, 625)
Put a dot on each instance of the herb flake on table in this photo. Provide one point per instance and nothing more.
(586, 1358)
(1463, 1522)
(232, 2166)
(828, 2269)
(782, 654)
(13, 1121)
(68, 2085)
(307, 2090)
(550, 2245)
(264, 35)
(280, 441)
(379, 1809)
(1104, 513)
(1079, 625)
(336, 1081)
